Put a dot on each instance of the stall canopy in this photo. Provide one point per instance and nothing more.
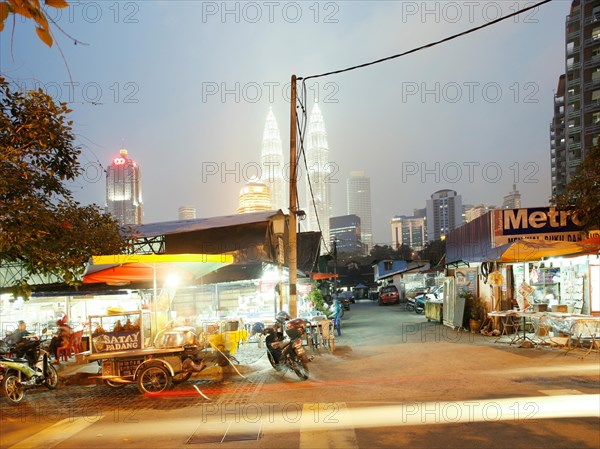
(122, 269)
(530, 250)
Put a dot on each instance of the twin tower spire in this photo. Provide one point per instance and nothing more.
(275, 172)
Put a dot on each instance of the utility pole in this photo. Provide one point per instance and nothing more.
(292, 256)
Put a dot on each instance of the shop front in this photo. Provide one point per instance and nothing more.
(535, 259)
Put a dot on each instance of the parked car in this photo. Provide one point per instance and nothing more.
(389, 295)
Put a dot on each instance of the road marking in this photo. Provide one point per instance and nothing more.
(340, 434)
(55, 434)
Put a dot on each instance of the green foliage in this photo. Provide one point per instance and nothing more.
(42, 227)
(474, 307)
(583, 190)
(317, 297)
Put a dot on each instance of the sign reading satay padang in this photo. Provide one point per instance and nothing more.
(537, 223)
(117, 341)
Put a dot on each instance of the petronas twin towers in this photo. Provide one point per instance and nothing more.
(275, 172)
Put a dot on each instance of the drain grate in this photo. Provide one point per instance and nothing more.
(225, 432)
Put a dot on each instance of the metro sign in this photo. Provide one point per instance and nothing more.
(538, 223)
(539, 219)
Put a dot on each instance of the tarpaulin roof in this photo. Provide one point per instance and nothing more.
(202, 224)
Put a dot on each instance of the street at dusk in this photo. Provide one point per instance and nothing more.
(394, 380)
(326, 224)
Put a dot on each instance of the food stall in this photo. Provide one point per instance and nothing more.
(121, 342)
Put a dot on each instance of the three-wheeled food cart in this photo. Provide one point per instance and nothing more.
(123, 346)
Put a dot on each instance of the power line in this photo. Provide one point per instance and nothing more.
(423, 47)
(414, 50)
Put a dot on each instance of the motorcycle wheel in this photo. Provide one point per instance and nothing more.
(410, 307)
(419, 310)
(51, 380)
(300, 367)
(12, 388)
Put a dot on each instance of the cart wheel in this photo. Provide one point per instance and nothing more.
(154, 379)
(182, 377)
(115, 385)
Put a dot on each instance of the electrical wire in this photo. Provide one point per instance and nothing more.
(302, 153)
(302, 102)
(431, 44)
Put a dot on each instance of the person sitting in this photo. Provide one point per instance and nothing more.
(19, 335)
(61, 339)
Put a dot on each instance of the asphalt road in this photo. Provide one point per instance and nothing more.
(394, 381)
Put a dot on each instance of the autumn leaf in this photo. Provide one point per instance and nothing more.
(44, 35)
(3, 12)
(57, 3)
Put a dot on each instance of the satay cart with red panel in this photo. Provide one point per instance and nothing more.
(123, 346)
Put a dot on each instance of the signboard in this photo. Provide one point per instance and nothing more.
(466, 279)
(537, 223)
(117, 341)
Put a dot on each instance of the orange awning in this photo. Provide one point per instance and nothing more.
(321, 276)
(124, 269)
(531, 250)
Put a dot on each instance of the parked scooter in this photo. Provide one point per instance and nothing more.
(287, 354)
(431, 294)
(416, 304)
(29, 368)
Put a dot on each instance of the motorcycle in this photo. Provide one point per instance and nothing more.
(29, 368)
(416, 304)
(434, 294)
(287, 354)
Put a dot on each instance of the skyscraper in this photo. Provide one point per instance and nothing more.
(124, 190)
(444, 213)
(345, 230)
(272, 164)
(187, 212)
(512, 200)
(410, 231)
(254, 197)
(576, 123)
(358, 200)
(318, 190)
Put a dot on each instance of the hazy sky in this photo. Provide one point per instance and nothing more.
(187, 85)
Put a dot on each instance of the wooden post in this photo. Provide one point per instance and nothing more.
(292, 256)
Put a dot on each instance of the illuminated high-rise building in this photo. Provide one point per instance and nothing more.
(254, 197)
(318, 191)
(575, 126)
(124, 190)
(512, 200)
(444, 213)
(272, 164)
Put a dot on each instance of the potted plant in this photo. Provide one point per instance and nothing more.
(474, 309)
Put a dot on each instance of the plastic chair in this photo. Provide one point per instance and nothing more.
(73, 347)
(64, 352)
(326, 334)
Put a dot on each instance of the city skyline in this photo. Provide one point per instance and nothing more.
(442, 126)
